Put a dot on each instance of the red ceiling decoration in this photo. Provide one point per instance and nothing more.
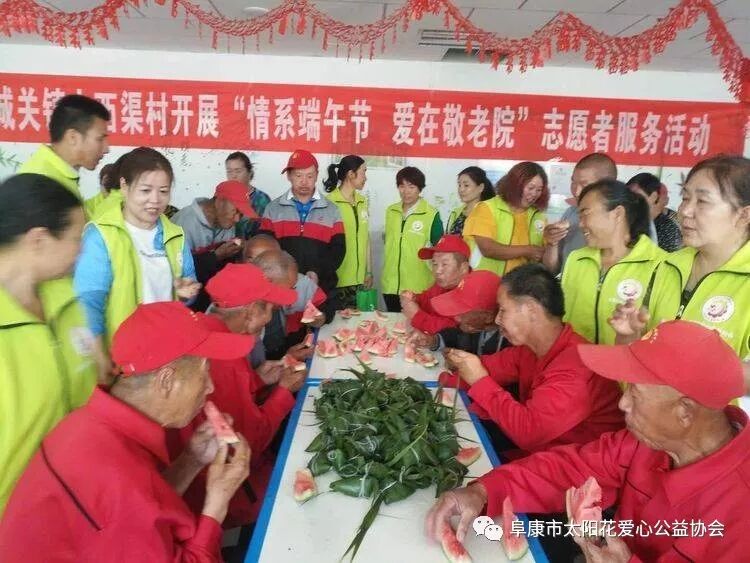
(564, 33)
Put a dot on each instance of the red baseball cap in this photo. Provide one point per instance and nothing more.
(683, 355)
(159, 333)
(236, 193)
(241, 284)
(476, 292)
(300, 159)
(447, 243)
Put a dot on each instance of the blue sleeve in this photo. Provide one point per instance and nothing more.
(92, 279)
(188, 266)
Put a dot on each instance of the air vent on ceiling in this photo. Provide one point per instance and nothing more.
(455, 45)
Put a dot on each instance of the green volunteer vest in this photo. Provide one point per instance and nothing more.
(357, 234)
(46, 371)
(126, 291)
(402, 268)
(720, 300)
(591, 296)
(455, 214)
(503, 215)
(46, 162)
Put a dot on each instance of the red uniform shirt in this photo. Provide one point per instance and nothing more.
(94, 492)
(714, 490)
(234, 386)
(561, 400)
(427, 320)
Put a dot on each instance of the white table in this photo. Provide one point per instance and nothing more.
(320, 530)
(323, 368)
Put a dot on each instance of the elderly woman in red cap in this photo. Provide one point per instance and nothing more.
(101, 487)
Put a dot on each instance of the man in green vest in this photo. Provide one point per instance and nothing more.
(78, 138)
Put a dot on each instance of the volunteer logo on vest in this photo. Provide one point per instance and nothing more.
(417, 226)
(629, 289)
(539, 225)
(363, 215)
(718, 309)
(82, 340)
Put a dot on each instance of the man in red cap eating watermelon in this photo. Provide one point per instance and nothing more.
(101, 487)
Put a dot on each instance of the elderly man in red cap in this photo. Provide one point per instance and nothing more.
(101, 487)
(308, 226)
(450, 263)
(243, 300)
(209, 226)
(678, 474)
(560, 400)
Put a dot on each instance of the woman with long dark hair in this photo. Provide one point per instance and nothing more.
(344, 183)
(473, 186)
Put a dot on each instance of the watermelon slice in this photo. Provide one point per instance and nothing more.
(345, 347)
(381, 316)
(365, 358)
(377, 347)
(448, 397)
(426, 359)
(311, 313)
(410, 353)
(220, 425)
(391, 347)
(515, 546)
(344, 334)
(453, 549)
(390, 376)
(304, 486)
(355, 312)
(327, 349)
(399, 327)
(291, 362)
(584, 503)
(309, 339)
(345, 314)
(402, 339)
(467, 456)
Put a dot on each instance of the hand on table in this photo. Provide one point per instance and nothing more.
(468, 366)
(466, 502)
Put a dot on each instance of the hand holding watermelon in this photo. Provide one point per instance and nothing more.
(466, 502)
(225, 475)
(468, 366)
(615, 550)
(203, 445)
(292, 379)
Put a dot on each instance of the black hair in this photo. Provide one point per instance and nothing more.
(646, 181)
(238, 155)
(616, 194)
(337, 172)
(113, 175)
(141, 160)
(538, 283)
(75, 112)
(731, 173)
(413, 175)
(29, 201)
(479, 176)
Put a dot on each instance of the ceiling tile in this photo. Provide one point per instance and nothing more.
(154, 10)
(733, 8)
(609, 23)
(515, 23)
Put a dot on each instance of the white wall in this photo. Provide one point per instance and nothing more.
(198, 171)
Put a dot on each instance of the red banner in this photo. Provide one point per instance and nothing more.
(380, 121)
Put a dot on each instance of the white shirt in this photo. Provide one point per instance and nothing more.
(156, 275)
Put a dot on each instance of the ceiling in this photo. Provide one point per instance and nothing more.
(152, 27)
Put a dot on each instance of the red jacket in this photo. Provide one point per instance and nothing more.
(561, 400)
(427, 320)
(641, 482)
(234, 385)
(94, 493)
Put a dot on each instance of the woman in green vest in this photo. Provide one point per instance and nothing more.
(410, 224)
(473, 186)
(616, 265)
(708, 281)
(46, 363)
(506, 231)
(131, 253)
(345, 180)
